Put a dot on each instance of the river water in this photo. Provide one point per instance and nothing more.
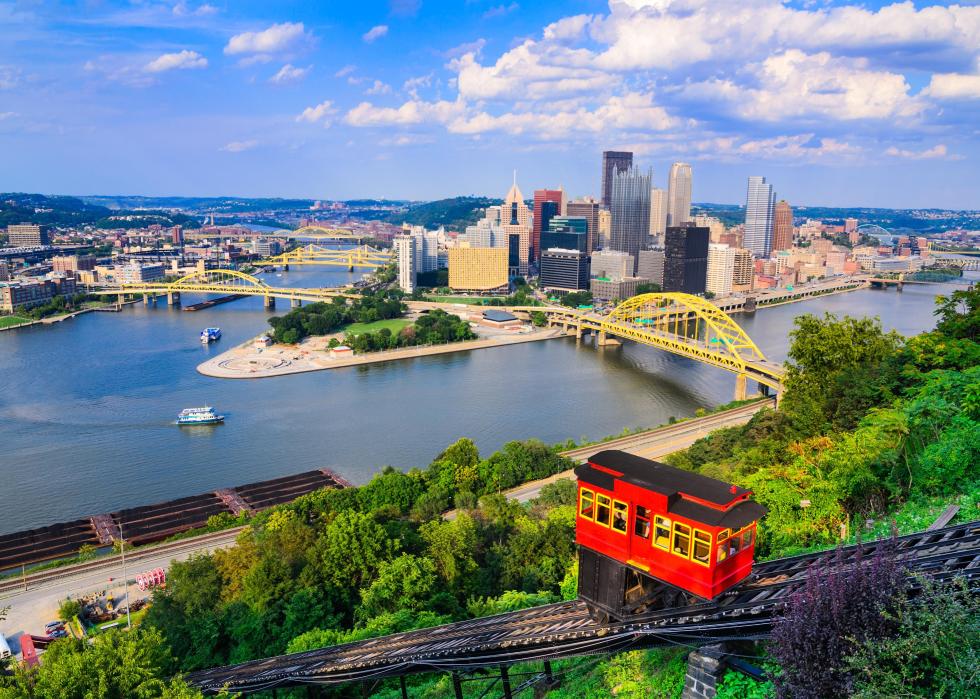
(87, 406)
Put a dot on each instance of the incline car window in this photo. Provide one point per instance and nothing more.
(620, 515)
(586, 507)
(661, 533)
(602, 510)
(642, 526)
(682, 540)
(702, 547)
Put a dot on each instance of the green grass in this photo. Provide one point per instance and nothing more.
(393, 324)
(7, 321)
(468, 300)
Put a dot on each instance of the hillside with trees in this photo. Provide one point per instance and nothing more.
(58, 211)
(455, 213)
(873, 427)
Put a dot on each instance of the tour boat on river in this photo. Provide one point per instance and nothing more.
(199, 416)
(210, 335)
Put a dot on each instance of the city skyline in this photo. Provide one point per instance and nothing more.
(843, 105)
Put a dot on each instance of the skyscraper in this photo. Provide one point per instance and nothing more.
(721, 269)
(679, 194)
(658, 212)
(547, 203)
(686, 259)
(782, 227)
(587, 208)
(515, 221)
(759, 203)
(630, 211)
(405, 247)
(612, 160)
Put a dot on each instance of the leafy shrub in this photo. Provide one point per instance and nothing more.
(838, 608)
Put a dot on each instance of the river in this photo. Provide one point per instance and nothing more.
(87, 406)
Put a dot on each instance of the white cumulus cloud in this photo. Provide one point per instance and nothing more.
(375, 33)
(378, 88)
(954, 86)
(937, 151)
(289, 74)
(182, 60)
(320, 113)
(278, 38)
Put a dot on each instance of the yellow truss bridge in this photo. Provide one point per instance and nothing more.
(225, 281)
(363, 256)
(686, 325)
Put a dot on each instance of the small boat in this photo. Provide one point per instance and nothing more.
(199, 416)
(210, 335)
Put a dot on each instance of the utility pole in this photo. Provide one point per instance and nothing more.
(122, 544)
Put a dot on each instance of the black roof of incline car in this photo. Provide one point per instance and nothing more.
(672, 483)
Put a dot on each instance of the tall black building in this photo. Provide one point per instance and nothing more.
(612, 160)
(686, 259)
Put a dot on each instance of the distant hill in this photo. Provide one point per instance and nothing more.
(910, 220)
(455, 213)
(218, 205)
(59, 211)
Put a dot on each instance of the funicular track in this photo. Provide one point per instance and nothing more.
(564, 629)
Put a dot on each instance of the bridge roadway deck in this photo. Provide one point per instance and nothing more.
(565, 629)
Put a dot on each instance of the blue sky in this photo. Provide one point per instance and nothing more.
(874, 104)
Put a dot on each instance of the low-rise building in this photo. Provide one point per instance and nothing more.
(136, 273)
(72, 263)
(27, 235)
(605, 289)
(478, 269)
(502, 320)
(34, 292)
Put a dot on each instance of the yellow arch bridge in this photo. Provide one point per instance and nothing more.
(686, 325)
(226, 281)
(363, 256)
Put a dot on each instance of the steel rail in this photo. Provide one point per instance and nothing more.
(564, 629)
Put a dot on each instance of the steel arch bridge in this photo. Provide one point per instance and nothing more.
(225, 281)
(682, 324)
(361, 256)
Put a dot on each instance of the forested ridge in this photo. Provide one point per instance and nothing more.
(873, 427)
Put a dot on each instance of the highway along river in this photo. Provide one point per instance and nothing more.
(87, 406)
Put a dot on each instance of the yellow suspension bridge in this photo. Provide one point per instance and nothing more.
(226, 281)
(682, 324)
(320, 233)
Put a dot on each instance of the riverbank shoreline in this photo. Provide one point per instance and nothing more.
(247, 362)
(51, 320)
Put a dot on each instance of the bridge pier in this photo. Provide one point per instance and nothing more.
(121, 299)
(296, 303)
(146, 299)
(285, 268)
(604, 341)
(173, 298)
(741, 386)
(268, 301)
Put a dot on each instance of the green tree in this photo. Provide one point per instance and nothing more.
(451, 546)
(351, 549)
(959, 314)
(403, 583)
(116, 665)
(539, 319)
(823, 349)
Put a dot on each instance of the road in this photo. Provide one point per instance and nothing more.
(652, 444)
(30, 609)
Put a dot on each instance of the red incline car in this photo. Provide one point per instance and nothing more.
(651, 536)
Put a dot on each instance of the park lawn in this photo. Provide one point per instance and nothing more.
(7, 321)
(469, 300)
(393, 324)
